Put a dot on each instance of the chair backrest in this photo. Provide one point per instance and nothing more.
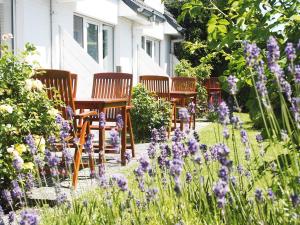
(183, 84)
(74, 83)
(110, 86)
(58, 82)
(212, 83)
(160, 85)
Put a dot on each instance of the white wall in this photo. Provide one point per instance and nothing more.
(155, 4)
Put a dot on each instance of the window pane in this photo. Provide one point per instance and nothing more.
(157, 52)
(92, 41)
(78, 30)
(107, 35)
(5, 18)
(149, 47)
(143, 42)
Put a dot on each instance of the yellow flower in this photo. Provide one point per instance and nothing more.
(28, 166)
(20, 148)
(40, 143)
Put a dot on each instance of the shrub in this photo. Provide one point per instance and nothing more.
(25, 112)
(148, 113)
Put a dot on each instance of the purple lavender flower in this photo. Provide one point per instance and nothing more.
(192, 108)
(259, 195)
(68, 156)
(203, 147)
(58, 119)
(178, 135)
(7, 196)
(223, 112)
(188, 178)
(139, 172)
(251, 53)
(61, 198)
(28, 218)
(193, 146)
(151, 194)
(102, 120)
(270, 194)
(29, 184)
(64, 130)
(178, 150)
(16, 190)
(297, 74)
(101, 168)
(119, 122)
(18, 163)
(220, 190)
(144, 163)
(176, 167)
(163, 134)
(69, 112)
(31, 143)
(11, 217)
(226, 134)
(232, 80)
(235, 121)
(114, 138)
(290, 51)
(233, 180)
(295, 200)
(121, 181)
(247, 153)
(155, 136)
(259, 138)
(52, 159)
(128, 156)
(295, 108)
(223, 173)
(88, 145)
(244, 136)
(141, 185)
(273, 52)
(184, 115)
(240, 169)
(198, 160)
(151, 150)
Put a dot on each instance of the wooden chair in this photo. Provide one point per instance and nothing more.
(60, 86)
(214, 91)
(184, 84)
(160, 85)
(110, 86)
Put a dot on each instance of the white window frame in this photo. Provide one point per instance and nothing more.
(100, 24)
(153, 40)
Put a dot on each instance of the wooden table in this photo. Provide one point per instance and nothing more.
(100, 104)
(183, 96)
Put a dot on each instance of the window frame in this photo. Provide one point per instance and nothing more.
(144, 40)
(89, 20)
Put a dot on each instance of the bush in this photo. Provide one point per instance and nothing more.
(148, 113)
(25, 112)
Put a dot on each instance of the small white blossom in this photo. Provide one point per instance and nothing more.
(37, 84)
(6, 108)
(7, 36)
(28, 85)
(10, 149)
(53, 112)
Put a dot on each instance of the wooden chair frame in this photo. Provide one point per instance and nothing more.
(64, 83)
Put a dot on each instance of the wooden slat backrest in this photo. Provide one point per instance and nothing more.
(110, 86)
(74, 84)
(183, 84)
(159, 85)
(58, 81)
(212, 82)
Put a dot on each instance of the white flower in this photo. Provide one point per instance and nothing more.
(37, 84)
(15, 153)
(28, 84)
(53, 112)
(6, 108)
(10, 149)
(7, 36)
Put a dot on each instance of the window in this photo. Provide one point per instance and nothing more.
(97, 40)
(152, 48)
(6, 23)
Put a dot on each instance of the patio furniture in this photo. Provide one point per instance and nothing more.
(100, 104)
(63, 82)
(114, 86)
(183, 91)
(160, 85)
(213, 91)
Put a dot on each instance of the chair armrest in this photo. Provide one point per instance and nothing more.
(86, 114)
(129, 106)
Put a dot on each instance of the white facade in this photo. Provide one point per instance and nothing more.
(89, 36)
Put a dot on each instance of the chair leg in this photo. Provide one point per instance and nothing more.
(130, 134)
(78, 153)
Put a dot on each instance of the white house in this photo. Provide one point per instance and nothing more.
(89, 36)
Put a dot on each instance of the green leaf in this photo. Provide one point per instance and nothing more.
(211, 28)
(295, 17)
(222, 29)
(223, 21)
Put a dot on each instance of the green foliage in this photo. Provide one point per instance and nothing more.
(24, 109)
(148, 113)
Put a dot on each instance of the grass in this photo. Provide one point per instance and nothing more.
(194, 202)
